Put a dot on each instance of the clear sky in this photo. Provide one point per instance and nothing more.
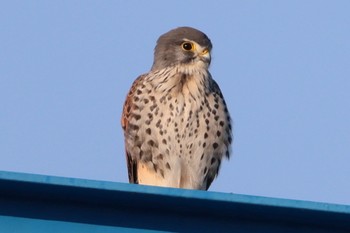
(283, 67)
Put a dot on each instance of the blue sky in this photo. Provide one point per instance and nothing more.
(283, 66)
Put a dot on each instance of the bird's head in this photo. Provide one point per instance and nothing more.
(184, 46)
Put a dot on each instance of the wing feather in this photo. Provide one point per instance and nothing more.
(125, 119)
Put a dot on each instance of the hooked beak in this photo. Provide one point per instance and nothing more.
(204, 55)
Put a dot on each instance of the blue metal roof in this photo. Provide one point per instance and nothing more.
(37, 203)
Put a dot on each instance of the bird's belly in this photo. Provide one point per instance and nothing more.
(182, 137)
(181, 151)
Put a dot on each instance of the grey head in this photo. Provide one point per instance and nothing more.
(181, 46)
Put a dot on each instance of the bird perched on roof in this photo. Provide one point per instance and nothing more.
(176, 124)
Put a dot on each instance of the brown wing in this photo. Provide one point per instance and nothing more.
(219, 98)
(128, 104)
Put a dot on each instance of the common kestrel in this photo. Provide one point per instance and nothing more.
(177, 127)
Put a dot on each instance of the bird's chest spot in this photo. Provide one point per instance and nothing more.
(173, 119)
(179, 116)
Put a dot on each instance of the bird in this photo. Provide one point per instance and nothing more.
(177, 127)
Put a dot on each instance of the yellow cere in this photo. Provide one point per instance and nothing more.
(205, 51)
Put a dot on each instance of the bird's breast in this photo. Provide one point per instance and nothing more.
(178, 133)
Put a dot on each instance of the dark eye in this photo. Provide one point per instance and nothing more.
(188, 46)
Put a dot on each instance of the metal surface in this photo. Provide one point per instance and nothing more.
(36, 203)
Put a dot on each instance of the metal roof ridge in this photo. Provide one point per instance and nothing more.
(174, 192)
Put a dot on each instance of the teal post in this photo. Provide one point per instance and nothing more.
(37, 203)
